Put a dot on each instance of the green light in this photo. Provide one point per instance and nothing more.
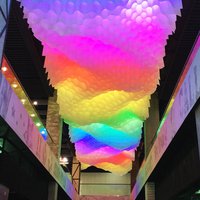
(197, 192)
(1, 144)
(120, 118)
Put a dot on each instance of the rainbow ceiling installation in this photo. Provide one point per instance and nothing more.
(103, 57)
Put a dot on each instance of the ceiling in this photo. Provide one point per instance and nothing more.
(24, 52)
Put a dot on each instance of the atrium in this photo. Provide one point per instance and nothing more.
(100, 99)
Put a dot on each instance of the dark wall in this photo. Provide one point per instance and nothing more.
(23, 181)
(19, 171)
(179, 169)
(178, 49)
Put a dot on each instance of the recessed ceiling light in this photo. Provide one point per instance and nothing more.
(35, 103)
(4, 69)
(14, 85)
(23, 101)
(38, 124)
(32, 115)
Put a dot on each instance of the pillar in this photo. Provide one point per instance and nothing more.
(54, 126)
(151, 124)
(52, 190)
(134, 170)
(150, 191)
(197, 118)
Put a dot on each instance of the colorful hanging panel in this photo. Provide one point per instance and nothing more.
(103, 57)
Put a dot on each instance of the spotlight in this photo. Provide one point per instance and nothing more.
(4, 69)
(38, 124)
(32, 115)
(35, 103)
(23, 101)
(14, 85)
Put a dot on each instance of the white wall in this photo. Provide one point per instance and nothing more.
(104, 184)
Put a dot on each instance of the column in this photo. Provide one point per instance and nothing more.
(197, 118)
(151, 124)
(135, 169)
(150, 191)
(52, 190)
(54, 128)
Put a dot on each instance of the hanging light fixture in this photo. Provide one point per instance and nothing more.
(103, 57)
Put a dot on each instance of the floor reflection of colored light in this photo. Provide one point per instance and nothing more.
(20, 92)
(103, 57)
